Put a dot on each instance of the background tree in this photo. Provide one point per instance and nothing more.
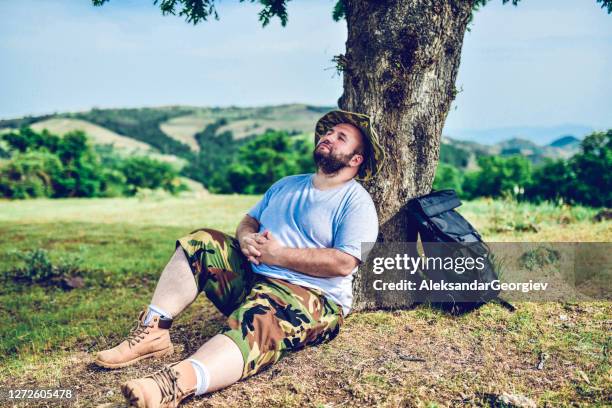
(498, 176)
(400, 67)
(592, 167)
(30, 174)
(268, 158)
(554, 181)
(47, 165)
(143, 172)
(448, 176)
(583, 179)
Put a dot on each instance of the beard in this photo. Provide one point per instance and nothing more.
(330, 163)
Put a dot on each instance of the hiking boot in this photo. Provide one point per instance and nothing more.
(164, 389)
(144, 341)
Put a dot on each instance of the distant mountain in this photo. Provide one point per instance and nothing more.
(517, 145)
(540, 135)
(563, 141)
(463, 154)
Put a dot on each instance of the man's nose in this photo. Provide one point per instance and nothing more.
(328, 138)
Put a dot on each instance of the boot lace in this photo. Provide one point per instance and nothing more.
(167, 381)
(138, 333)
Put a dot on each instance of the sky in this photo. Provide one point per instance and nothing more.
(544, 63)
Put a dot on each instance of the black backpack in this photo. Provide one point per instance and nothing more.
(445, 233)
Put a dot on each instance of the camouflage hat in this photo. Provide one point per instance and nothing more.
(374, 153)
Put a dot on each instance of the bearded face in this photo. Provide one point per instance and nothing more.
(328, 160)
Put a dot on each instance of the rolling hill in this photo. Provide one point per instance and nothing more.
(98, 134)
(541, 135)
(102, 136)
(171, 132)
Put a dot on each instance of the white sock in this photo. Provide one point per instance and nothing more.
(155, 311)
(202, 376)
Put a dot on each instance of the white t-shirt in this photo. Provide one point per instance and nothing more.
(301, 216)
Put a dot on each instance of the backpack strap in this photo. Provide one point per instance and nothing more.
(436, 202)
(507, 305)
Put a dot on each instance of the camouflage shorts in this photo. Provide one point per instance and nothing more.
(267, 318)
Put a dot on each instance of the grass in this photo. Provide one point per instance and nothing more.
(418, 357)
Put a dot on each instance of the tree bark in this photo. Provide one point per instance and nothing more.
(400, 66)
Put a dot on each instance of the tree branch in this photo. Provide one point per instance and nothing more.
(196, 11)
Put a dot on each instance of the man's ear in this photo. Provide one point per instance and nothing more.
(357, 159)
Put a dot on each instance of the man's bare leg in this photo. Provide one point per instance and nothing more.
(217, 364)
(176, 288)
(223, 360)
(220, 356)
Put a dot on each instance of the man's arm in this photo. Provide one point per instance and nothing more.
(319, 262)
(246, 232)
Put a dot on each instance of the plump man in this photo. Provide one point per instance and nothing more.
(284, 281)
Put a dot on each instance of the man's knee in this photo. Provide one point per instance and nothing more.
(207, 236)
(203, 239)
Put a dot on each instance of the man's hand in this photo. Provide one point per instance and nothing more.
(269, 248)
(247, 235)
(260, 248)
(264, 247)
(248, 246)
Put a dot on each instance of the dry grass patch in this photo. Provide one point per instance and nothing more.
(98, 134)
(556, 354)
(103, 136)
(409, 358)
(184, 128)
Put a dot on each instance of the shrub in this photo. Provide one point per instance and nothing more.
(552, 181)
(498, 177)
(592, 169)
(27, 139)
(143, 172)
(30, 175)
(38, 268)
(584, 179)
(538, 258)
(448, 176)
(44, 165)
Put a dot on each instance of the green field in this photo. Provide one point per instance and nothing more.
(48, 335)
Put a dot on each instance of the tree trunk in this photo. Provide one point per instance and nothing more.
(400, 66)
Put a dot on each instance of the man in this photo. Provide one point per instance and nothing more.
(284, 282)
